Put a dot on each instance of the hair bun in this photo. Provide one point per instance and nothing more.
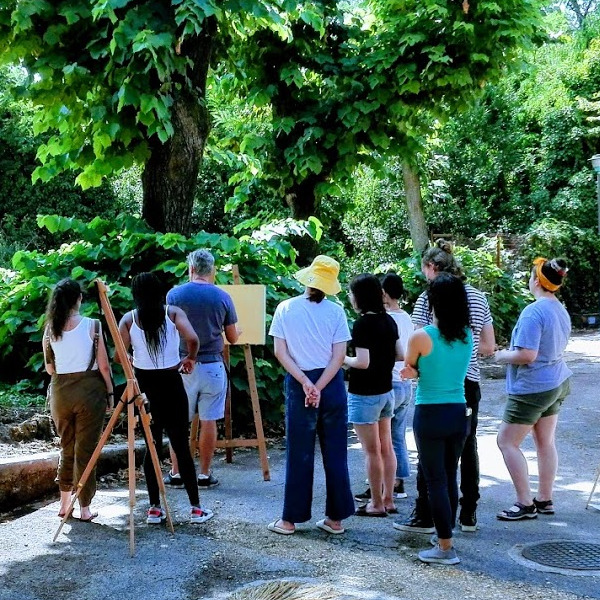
(444, 245)
(560, 266)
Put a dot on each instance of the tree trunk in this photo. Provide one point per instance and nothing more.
(170, 175)
(414, 206)
(302, 202)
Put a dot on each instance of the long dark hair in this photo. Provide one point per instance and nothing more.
(448, 299)
(149, 298)
(368, 293)
(62, 300)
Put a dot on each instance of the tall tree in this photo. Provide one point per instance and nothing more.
(119, 82)
(349, 88)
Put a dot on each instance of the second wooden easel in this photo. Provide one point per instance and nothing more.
(228, 442)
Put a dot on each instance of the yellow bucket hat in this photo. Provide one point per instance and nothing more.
(321, 274)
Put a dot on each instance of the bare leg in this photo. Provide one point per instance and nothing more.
(369, 439)
(544, 437)
(174, 464)
(207, 444)
(388, 457)
(65, 502)
(510, 437)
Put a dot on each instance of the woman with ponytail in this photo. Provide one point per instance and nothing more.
(80, 390)
(153, 329)
(537, 382)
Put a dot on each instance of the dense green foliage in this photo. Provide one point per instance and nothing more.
(19, 199)
(116, 250)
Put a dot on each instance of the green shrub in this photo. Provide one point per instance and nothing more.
(505, 288)
(115, 251)
(581, 249)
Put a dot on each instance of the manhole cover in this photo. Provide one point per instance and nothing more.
(581, 556)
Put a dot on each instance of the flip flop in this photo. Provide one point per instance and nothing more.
(362, 511)
(276, 529)
(391, 511)
(61, 514)
(90, 518)
(322, 525)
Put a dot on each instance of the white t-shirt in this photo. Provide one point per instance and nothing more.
(310, 329)
(405, 330)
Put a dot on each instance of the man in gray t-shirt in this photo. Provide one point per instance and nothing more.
(211, 313)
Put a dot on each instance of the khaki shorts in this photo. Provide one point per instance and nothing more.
(528, 409)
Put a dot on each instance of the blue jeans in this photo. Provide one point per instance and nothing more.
(402, 394)
(330, 423)
(440, 431)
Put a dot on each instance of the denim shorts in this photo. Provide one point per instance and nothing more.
(366, 410)
(206, 389)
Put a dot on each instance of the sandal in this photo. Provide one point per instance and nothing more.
(518, 512)
(544, 507)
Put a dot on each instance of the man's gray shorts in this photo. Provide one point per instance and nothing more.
(206, 389)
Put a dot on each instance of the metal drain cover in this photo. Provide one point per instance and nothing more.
(582, 556)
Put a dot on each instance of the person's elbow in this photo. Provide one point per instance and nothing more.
(232, 334)
(527, 356)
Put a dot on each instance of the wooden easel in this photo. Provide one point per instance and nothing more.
(228, 442)
(132, 396)
(596, 506)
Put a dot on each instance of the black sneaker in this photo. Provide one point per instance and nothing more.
(365, 496)
(207, 481)
(415, 524)
(173, 480)
(517, 512)
(468, 520)
(399, 489)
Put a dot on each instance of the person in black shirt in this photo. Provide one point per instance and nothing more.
(370, 397)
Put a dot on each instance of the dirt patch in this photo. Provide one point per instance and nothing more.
(26, 431)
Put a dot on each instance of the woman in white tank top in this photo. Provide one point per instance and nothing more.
(80, 390)
(153, 330)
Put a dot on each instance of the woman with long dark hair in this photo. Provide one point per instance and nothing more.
(370, 397)
(537, 382)
(80, 390)
(440, 353)
(153, 329)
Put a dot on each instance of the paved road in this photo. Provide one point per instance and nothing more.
(372, 560)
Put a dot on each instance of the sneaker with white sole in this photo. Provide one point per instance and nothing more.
(173, 479)
(438, 556)
(200, 515)
(468, 521)
(207, 481)
(155, 515)
(399, 492)
(415, 524)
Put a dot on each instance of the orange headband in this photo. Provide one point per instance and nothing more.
(544, 281)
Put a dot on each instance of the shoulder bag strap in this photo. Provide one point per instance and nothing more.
(95, 344)
(49, 353)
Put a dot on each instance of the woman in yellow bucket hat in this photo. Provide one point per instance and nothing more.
(310, 334)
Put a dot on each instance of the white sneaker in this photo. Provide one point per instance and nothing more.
(155, 515)
(200, 515)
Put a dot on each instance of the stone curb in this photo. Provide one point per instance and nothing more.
(27, 478)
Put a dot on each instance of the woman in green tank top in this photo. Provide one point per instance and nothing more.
(439, 354)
